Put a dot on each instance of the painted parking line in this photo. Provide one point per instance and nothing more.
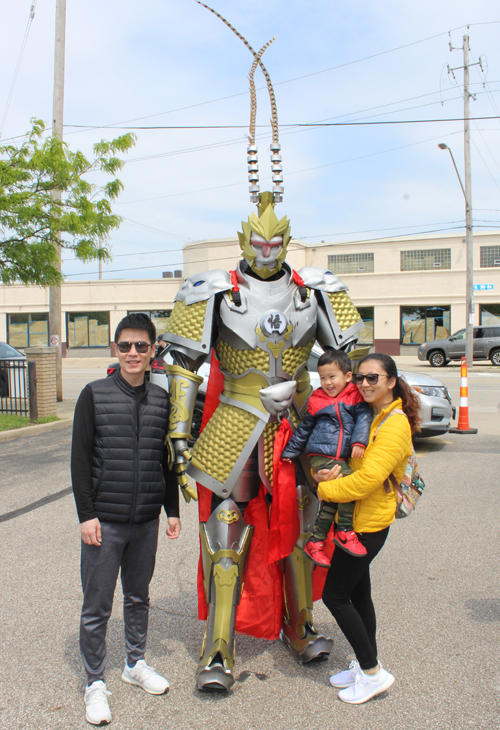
(35, 505)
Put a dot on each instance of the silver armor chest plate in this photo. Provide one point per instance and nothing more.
(271, 317)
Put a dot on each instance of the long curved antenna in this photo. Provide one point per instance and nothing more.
(252, 159)
(275, 145)
(253, 95)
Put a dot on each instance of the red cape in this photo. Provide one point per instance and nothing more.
(261, 609)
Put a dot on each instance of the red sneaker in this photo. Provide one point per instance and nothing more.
(316, 551)
(349, 542)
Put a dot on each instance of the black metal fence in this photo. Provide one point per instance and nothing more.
(18, 388)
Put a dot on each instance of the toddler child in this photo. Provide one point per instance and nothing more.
(337, 425)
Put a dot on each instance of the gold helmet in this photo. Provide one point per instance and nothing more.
(267, 226)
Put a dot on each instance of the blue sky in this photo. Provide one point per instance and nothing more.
(172, 63)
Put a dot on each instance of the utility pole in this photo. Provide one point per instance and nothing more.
(469, 345)
(55, 334)
(467, 191)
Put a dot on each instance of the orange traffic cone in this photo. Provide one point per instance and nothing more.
(463, 410)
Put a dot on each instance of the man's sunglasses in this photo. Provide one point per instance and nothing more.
(141, 346)
(371, 378)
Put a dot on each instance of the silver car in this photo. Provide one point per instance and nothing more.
(435, 402)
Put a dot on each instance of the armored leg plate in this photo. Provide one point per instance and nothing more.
(215, 677)
(312, 647)
(299, 633)
(225, 540)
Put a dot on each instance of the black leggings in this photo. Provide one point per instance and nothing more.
(347, 595)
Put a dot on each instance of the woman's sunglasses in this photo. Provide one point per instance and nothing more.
(371, 378)
(141, 347)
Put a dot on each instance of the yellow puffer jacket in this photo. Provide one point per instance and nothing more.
(387, 454)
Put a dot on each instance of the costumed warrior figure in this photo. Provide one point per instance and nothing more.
(260, 323)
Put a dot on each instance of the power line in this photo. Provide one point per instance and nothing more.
(485, 164)
(18, 65)
(311, 125)
(377, 230)
(155, 230)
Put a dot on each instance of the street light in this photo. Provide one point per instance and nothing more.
(469, 322)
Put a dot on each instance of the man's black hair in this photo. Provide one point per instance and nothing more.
(137, 321)
(338, 357)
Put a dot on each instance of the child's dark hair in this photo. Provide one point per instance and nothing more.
(411, 403)
(338, 358)
(137, 321)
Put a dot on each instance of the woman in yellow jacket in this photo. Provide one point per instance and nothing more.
(347, 592)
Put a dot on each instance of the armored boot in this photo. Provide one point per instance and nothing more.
(298, 632)
(225, 540)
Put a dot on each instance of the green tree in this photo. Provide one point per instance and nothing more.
(34, 225)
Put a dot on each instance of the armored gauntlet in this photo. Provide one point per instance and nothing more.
(183, 387)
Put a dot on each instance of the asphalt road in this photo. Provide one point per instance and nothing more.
(435, 586)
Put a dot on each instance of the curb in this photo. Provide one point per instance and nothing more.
(16, 433)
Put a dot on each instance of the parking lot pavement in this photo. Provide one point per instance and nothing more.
(435, 586)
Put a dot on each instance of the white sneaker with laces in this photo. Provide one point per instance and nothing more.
(345, 678)
(366, 686)
(97, 709)
(145, 677)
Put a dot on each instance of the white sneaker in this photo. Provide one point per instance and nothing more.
(365, 686)
(97, 709)
(345, 678)
(145, 677)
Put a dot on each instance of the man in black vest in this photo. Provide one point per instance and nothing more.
(121, 480)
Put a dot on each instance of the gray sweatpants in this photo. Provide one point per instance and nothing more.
(133, 549)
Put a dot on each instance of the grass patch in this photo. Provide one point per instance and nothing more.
(9, 421)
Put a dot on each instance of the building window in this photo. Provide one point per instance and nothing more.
(365, 337)
(489, 314)
(158, 317)
(28, 330)
(489, 256)
(88, 329)
(424, 324)
(351, 263)
(426, 259)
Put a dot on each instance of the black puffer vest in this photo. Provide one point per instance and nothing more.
(127, 476)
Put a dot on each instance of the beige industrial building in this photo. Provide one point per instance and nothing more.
(408, 290)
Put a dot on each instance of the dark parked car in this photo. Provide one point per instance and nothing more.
(7, 354)
(486, 345)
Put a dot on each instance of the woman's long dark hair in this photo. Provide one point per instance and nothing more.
(411, 403)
